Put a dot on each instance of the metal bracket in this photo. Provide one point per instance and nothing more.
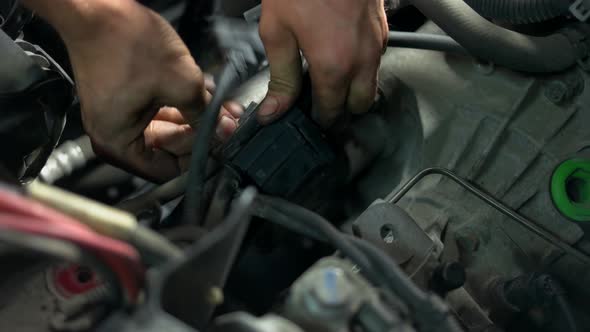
(395, 197)
(578, 37)
(580, 9)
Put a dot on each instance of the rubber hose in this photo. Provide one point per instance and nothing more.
(424, 41)
(520, 11)
(501, 46)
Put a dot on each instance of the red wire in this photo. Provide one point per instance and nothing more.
(24, 215)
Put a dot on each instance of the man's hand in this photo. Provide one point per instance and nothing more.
(342, 40)
(128, 64)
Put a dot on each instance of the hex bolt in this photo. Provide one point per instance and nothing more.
(556, 91)
(333, 288)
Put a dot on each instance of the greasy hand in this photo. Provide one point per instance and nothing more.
(342, 40)
(128, 64)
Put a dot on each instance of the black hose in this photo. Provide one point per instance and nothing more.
(520, 11)
(322, 228)
(227, 80)
(566, 310)
(430, 312)
(243, 60)
(424, 41)
(501, 46)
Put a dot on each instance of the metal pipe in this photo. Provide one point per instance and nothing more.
(496, 204)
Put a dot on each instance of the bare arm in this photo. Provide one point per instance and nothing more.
(128, 64)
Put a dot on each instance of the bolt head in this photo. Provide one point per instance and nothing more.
(556, 91)
(333, 289)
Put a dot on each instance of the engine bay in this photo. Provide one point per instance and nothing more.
(460, 202)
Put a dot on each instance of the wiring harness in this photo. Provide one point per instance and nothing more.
(43, 229)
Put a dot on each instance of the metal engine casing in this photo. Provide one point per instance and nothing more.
(503, 131)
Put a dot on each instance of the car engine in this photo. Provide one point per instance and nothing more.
(460, 202)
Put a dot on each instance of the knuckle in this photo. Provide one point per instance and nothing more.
(328, 86)
(331, 113)
(193, 77)
(331, 72)
(332, 69)
(283, 86)
(327, 116)
(150, 135)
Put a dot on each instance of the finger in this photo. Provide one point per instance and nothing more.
(210, 83)
(235, 109)
(285, 68)
(329, 94)
(170, 114)
(152, 163)
(225, 128)
(184, 88)
(363, 90)
(170, 137)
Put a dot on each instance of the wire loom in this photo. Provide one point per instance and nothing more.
(22, 215)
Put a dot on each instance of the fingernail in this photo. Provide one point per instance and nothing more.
(225, 128)
(269, 107)
(187, 129)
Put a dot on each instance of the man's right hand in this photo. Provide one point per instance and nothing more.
(128, 64)
(342, 41)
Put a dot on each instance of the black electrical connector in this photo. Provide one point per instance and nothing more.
(281, 157)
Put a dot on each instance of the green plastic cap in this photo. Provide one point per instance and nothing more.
(570, 189)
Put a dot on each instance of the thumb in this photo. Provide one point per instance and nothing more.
(285, 70)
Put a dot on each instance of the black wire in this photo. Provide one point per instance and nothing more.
(64, 251)
(429, 315)
(378, 268)
(264, 211)
(397, 280)
(226, 81)
(37, 244)
(278, 217)
(10, 13)
(325, 230)
(424, 41)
